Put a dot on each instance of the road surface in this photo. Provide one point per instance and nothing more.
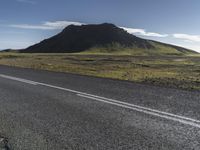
(41, 110)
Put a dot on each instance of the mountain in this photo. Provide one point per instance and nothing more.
(11, 50)
(102, 38)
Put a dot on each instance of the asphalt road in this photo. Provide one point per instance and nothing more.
(41, 110)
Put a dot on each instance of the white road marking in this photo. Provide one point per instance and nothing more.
(154, 112)
(18, 79)
(194, 123)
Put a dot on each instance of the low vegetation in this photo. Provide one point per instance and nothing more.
(170, 71)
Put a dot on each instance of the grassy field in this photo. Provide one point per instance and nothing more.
(170, 71)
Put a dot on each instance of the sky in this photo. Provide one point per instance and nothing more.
(26, 22)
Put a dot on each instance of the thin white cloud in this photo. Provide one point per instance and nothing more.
(62, 24)
(143, 32)
(187, 37)
(47, 25)
(28, 26)
(26, 1)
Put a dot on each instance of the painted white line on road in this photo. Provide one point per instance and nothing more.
(161, 114)
(18, 79)
(183, 121)
(144, 108)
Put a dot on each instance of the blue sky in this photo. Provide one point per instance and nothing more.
(25, 22)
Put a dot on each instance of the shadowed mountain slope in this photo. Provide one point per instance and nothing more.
(103, 36)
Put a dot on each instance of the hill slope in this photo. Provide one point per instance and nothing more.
(102, 38)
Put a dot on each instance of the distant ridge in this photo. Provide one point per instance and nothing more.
(82, 38)
(11, 50)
